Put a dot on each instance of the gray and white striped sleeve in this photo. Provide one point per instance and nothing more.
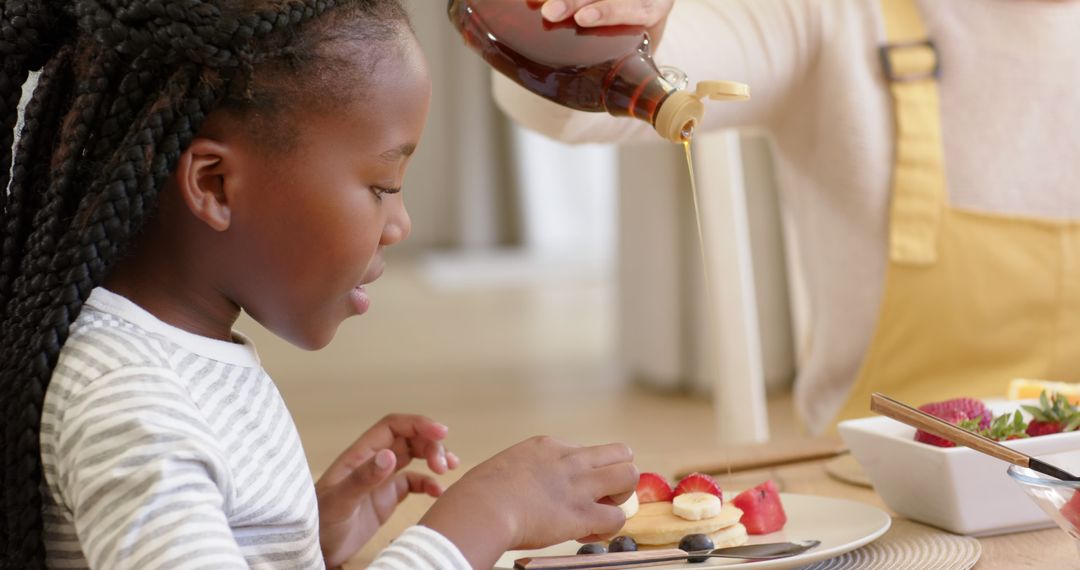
(420, 548)
(141, 471)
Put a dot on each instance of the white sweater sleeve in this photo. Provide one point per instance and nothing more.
(420, 548)
(770, 45)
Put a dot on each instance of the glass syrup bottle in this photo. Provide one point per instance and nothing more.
(605, 69)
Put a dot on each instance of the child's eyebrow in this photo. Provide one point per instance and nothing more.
(396, 153)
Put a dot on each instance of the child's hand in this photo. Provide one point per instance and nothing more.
(537, 493)
(361, 489)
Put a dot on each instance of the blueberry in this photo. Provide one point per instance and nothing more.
(695, 543)
(592, 548)
(622, 544)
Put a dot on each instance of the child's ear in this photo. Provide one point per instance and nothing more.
(201, 179)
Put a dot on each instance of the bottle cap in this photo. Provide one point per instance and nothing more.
(722, 90)
(680, 113)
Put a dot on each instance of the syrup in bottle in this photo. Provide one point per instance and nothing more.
(589, 69)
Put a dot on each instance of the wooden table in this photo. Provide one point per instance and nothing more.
(1043, 549)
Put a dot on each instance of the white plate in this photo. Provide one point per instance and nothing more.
(839, 524)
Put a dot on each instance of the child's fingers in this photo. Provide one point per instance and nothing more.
(394, 428)
(614, 482)
(359, 482)
(407, 426)
(419, 483)
(406, 434)
(602, 522)
(417, 437)
(436, 457)
(609, 454)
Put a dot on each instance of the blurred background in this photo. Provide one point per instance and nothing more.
(551, 289)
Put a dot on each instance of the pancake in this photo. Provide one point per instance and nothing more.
(655, 525)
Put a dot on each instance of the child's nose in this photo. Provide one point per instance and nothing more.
(397, 226)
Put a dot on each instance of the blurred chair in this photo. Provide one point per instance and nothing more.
(666, 338)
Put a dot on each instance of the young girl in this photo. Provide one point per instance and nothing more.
(182, 161)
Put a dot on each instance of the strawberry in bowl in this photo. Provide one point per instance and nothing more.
(933, 481)
(1054, 414)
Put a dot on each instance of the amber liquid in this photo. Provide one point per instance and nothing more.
(590, 69)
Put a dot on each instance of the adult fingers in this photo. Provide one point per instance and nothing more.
(559, 10)
(591, 13)
(646, 13)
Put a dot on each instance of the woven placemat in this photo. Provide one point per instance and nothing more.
(847, 470)
(909, 546)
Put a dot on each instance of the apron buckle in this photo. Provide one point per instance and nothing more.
(903, 62)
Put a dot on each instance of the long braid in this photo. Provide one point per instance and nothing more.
(115, 107)
(30, 176)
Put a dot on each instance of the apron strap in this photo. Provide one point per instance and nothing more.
(911, 68)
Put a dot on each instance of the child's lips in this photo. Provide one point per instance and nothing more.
(359, 295)
(372, 275)
(360, 300)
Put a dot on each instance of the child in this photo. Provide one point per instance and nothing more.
(182, 161)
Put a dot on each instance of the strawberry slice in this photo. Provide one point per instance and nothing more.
(653, 488)
(699, 483)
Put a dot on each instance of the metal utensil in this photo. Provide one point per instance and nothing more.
(916, 418)
(767, 551)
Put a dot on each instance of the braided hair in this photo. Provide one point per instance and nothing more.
(124, 85)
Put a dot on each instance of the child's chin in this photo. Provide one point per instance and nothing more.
(311, 339)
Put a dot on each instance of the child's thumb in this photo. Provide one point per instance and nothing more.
(365, 478)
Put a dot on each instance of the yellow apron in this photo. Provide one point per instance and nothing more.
(971, 300)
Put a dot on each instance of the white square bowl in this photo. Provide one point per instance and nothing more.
(956, 489)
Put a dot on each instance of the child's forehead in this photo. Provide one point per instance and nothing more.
(360, 88)
(382, 119)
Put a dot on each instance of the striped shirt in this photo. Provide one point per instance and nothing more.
(165, 449)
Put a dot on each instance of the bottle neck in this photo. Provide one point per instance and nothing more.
(635, 87)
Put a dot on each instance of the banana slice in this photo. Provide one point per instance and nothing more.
(696, 506)
(630, 506)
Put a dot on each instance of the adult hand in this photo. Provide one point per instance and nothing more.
(652, 14)
(364, 485)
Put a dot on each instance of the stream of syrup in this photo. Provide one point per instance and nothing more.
(710, 305)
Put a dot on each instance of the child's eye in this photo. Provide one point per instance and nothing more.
(380, 191)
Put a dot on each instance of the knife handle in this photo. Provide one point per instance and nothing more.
(607, 560)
